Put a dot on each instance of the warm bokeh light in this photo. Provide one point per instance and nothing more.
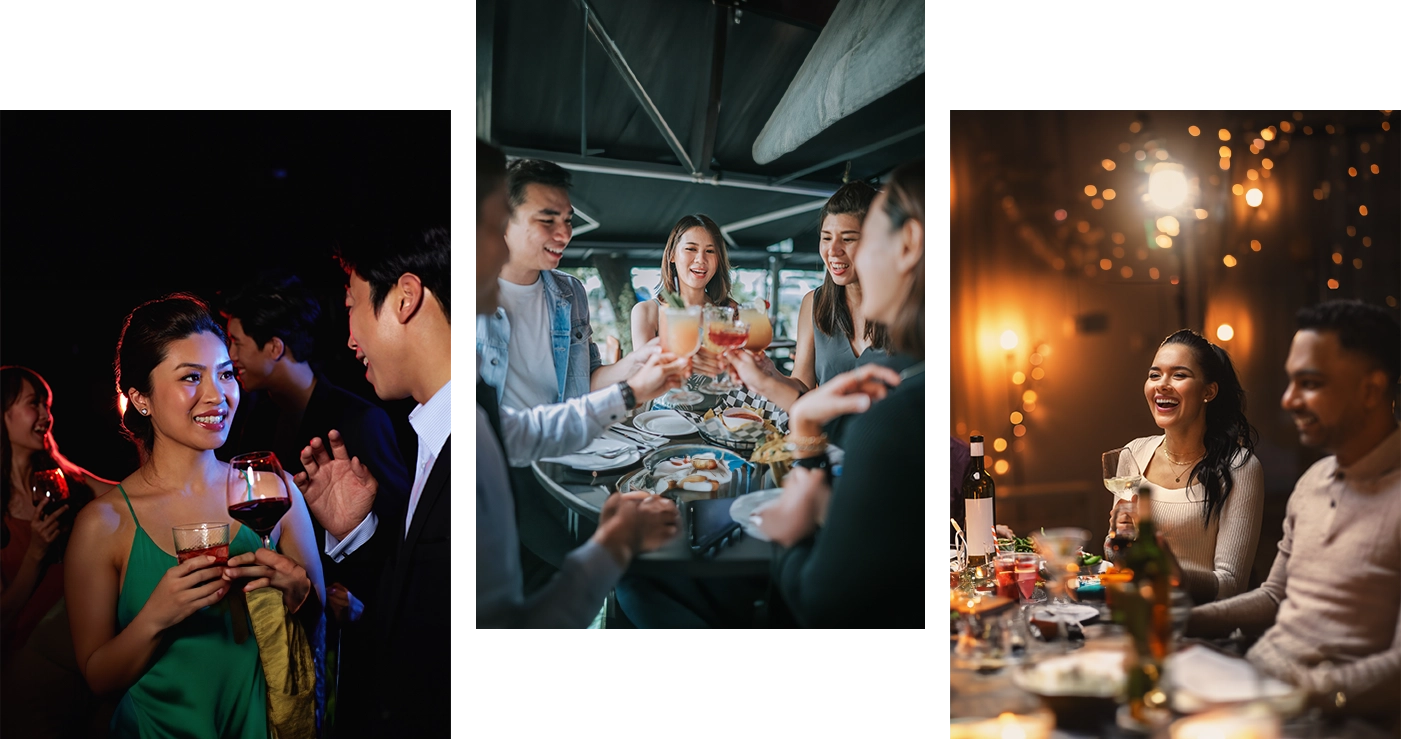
(1117, 237)
(1016, 417)
(1253, 197)
(1351, 231)
(1018, 378)
(1164, 241)
(1266, 163)
(1168, 225)
(1153, 273)
(1237, 189)
(1201, 214)
(1317, 194)
(1224, 332)
(1106, 264)
(1161, 155)
(1352, 171)
(1019, 431)
(1225, 163)
(1108, 165)
(1286, 126)
(1083, 227)
(1174, 280)
(1097, 204)
(1228, 260)
(1139, 155)
(1001, 467)
(1109, 192)
(999, 445)
(1135, 127)
(1332, 284)
(1038, 373)
(1035, 359)
(1268, 134)
(1118, 252)
(1362, 209)
(1251, 174)
(1061, 215)
(1329, 128)
(1167, 186)
(1090, 190)
(1029, 407)
(1308, 130)
(1376, 169)
(1224, 135)
(1387, 127)
(1258, 145)
(1194, 130)
(1357, 263)
(1366, 240)
(1225, 152)
(1008, 340)
(1337, 257)
(1029, 396)
(1255, 245)
(1043, 349)
(1366, 147)
(1126, 271)
(1391, 299)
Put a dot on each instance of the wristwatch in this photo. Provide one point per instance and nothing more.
(629, 398)
(820, 462)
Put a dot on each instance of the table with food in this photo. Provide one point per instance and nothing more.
(721, 468)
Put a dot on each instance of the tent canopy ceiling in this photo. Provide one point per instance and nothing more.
(550, 79)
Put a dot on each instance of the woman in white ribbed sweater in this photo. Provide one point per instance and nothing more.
(1208, 495)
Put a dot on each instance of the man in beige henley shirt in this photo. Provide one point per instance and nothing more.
(1332, 603)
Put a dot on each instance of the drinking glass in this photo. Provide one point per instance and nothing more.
(1026, 566)
(1121, 473)
(257, 493)
(760, 329)
(724, 331)
(680, 329)
(198, 539)
(1005, 565)
(48, 488)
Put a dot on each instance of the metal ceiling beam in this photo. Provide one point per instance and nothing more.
(863, 151)
(616, 56)
(708, 107)
(646, 170)
(776, 215)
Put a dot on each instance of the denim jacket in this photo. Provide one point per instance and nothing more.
(571, 339)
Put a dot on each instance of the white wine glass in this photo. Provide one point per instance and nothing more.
(1121, 473)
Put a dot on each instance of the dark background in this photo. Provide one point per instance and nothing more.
(102, 211)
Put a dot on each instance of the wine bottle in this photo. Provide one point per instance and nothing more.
(979, 519)
(1152, 572)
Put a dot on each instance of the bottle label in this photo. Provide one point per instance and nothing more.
(978, 516)
(975, 449)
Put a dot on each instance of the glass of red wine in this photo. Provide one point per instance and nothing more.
(257, 493)
(723, 331)
(200, 539)
(49, 489)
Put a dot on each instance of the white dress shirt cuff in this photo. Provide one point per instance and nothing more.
(337, 549)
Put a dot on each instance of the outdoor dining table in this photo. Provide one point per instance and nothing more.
(583, 493)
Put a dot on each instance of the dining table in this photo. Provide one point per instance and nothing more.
(988, 687)
(583, 493)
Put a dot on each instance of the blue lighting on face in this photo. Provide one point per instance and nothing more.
(280, 174)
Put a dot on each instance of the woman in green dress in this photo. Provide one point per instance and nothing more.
(145, 627)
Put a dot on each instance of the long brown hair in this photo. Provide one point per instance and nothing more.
(829, 308)
(904, 201)
(718, 289)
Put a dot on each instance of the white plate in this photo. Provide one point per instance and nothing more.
(665, 422)
(1065, 611)
(581, 460)
(745, 507)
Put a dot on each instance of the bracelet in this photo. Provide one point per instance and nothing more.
(806, 443)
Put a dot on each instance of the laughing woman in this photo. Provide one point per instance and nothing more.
(154, 630)
(695, 266)
(1207, 483)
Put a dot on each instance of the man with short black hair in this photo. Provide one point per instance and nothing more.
(1332, 603)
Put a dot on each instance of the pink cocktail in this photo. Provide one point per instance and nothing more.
(1027, 565)
(1006, 568)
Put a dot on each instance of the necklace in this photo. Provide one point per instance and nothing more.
(1188, 465)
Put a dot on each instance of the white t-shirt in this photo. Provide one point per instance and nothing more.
(530, 379)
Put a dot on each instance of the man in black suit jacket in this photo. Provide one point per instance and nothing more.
(398, 304)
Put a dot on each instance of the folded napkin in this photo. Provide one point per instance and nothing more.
(1207, 676)
(587, 458)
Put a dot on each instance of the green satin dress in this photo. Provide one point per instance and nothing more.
(200, 682)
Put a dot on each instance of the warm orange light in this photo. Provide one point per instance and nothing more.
(1029, 407)
(1118, 252)
(1387, 127)
(1201, 214)
(1255, 245)
(1090, 190)
(999, 445)
(1038, 373)
(1163, 241)
(1375, 170)
(1328, 128)
(1225, 163)
(1225, 152)
(1251, 174)
(1258, 145)
(1117, 238)
(1061, 215)
(1390, 299)
(1357, 263)
(1237, 189)
(1097, 204)
(1016, 417)
(1266, 163)
(1286, 126)
(1035, 359)
(1366, 240)
(1001, 467)
(1135, 127)
(1317, 194)
(1109, 193)
(1019, 431)
(1106, 264)
(1194, 130)
(1153, 273)
(1108, 165)
(1126, 271)
(1029, 396)
(1366, 147)
(1337, 257)
(1332, 284)
(1009, 339)
(1168, 225)
(1352, 171)
(1253, 197)
(1228, 260)
(1224, 332)
(1362, 209)
(1174, 280)
(1268, 134)
(1351, 231)
(1224, 134)
(1018, 378)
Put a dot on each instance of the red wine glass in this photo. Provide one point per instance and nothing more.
(257, 493)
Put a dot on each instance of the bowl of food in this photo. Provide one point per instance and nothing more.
(774, 453)
(1082, 688)
(736, 419)
(688, 472)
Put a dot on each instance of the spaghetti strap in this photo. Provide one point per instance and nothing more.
(128, 506)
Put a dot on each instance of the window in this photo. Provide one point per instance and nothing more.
(602, 317)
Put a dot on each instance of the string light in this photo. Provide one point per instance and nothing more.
(1268, 134)
(1096, 203)
(1328, 128)
(1108, 165)
(1163, 241)
(1029, 396)
(1038, 373)
(1376, 169)
(1308, 130)
(1118, 252)
(1229, 260)
(1126, 271)
(1337, 257)
(1194, 130)
(1362, 209)
(1225, 152)
(1237, 189)
(1135, 127)
(1366, 240)
(1225, 163)
(1352, 171)
(1016, 417)
(1153, 273)
(1251, 174)
(1351, 230)
(1224, 135)
(1109, 192)
(1001, 467)
(1254, 245)
(999, 445)
(1201, 214)
(1332, 284)
(1357, 263)
(1008, 340)
(1090, 190)
(1083, 227)
(1168, 225)
(1224, 332)
(1106, 264)
(1018, 378)
(1117, 238)
(1286, 126)
(1253, 197)
(1061, 215)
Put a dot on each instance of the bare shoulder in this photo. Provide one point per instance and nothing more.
(101, 519)
(645, 309)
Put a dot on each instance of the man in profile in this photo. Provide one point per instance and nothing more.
(1332, 603)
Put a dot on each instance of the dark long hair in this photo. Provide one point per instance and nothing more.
(718, 289)
(12, 379)
(905, 202)
(1228, 433)
(829, 310)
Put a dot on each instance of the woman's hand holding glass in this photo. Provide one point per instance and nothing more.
(265, 568)
(182, 590)
(44, 529)
(662, 372)
(752, 368)
(850, 392)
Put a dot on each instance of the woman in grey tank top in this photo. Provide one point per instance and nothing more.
(833, 336)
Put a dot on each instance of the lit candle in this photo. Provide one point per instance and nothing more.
(1006, 726)
(1251, 722)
